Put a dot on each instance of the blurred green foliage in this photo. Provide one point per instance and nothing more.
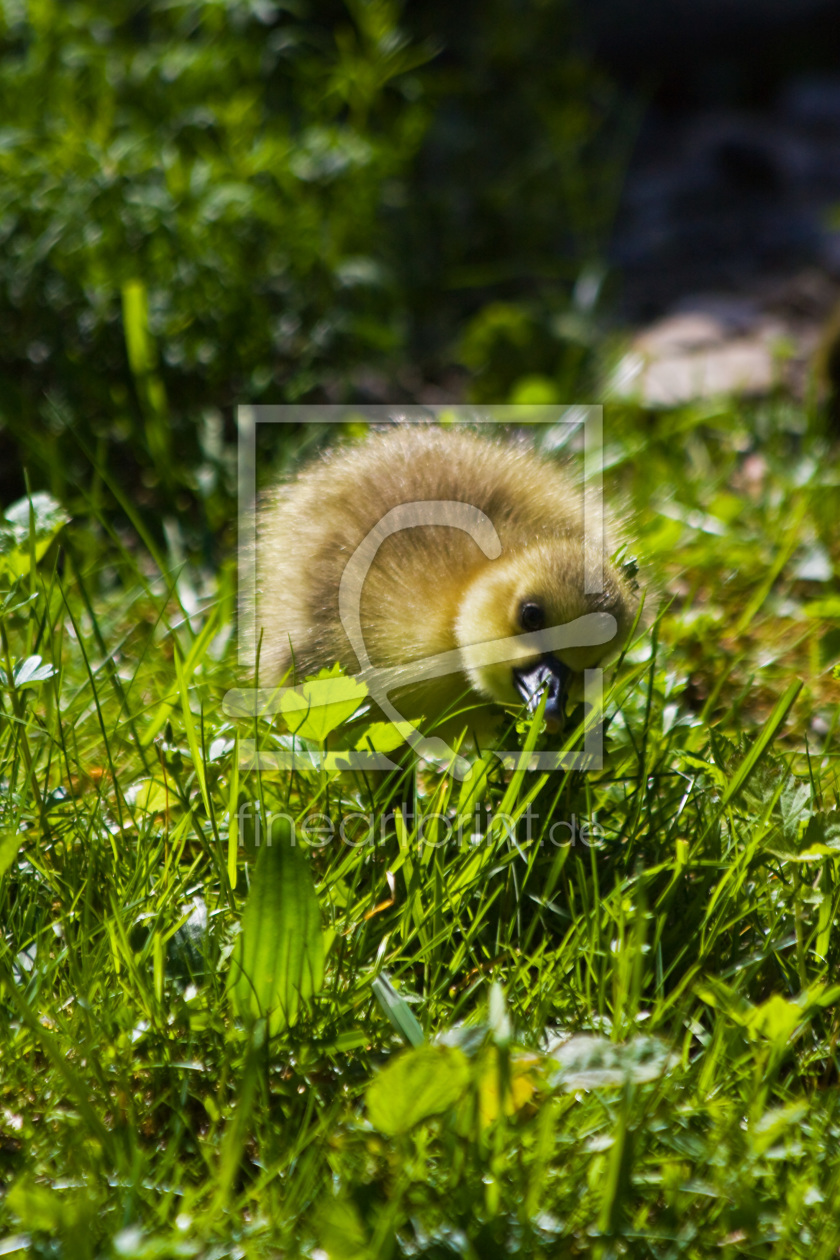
(230, 159)
(221, 201)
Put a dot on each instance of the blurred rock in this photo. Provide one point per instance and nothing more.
(664, 374)
(716, 345)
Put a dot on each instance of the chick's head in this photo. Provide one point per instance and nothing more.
(526, 623)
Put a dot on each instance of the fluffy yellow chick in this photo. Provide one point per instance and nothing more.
(455, 563)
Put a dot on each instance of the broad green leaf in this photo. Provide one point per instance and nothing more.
(766, 1131)
(48, 513)
(149, 796)
(794, 800)
(68, 1215)
(340, 1230)
(722, 997)
(417, 1084)
(383, 736)
(31, 671)
(725, 751)
(398, 1011)
(278, 962)
(692, 762)
(35, 520)
(37, 1207)
(776, 1019)
(821, 837)
(315, 708)
(503, 1090)
(10, 843)
(586, 1062)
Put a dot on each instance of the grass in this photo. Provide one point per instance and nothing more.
(520, 1046)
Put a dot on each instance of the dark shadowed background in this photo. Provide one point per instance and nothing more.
(203, 204)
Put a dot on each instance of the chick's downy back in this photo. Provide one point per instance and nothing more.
(311, 527)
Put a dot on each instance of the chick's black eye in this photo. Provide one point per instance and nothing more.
(531, 615)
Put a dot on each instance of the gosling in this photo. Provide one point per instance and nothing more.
(449, 566)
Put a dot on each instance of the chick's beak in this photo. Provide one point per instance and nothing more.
(551, 675)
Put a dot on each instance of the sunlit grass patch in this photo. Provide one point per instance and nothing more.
(535, 1014)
